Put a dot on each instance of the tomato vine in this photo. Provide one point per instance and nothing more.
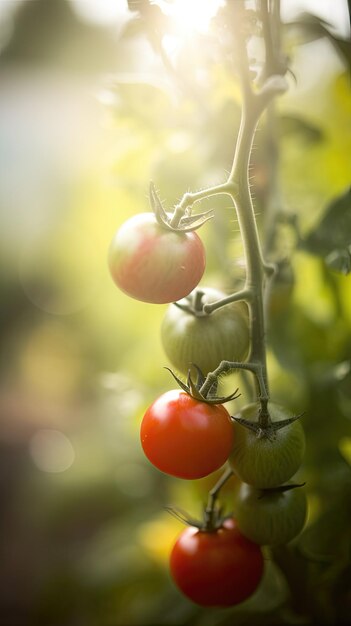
(188, 433)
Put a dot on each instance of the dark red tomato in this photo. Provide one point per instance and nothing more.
(153, 264)
(184, 437)
(220, 568)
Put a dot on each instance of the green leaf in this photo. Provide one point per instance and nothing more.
(308, 27)
(331, 239)
(340, 260)
(300, 127)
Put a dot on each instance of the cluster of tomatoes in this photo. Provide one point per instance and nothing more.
(188, 437)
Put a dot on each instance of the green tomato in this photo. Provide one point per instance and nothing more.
(262, 461)
(270, 517)
(206, 340)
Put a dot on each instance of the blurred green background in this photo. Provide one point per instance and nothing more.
(89, 114)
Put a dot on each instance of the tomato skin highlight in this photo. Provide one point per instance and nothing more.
(184, 437)
(220, 568)
(262, 462)
(153, 264)
(270, 518)
(207, 340)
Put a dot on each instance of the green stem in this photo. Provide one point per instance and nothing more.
(252, 249)
(238, 188)
(229, 366)
(244, 294)
(210, 510)
(190, 198)
(256, 268)
(197, 301)
(255, 265)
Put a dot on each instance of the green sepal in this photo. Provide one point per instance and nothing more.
(269, 431)
(193, 388)
(200, 376)
(187, 223)
(282, 423)
(280, 489)
(182, 516)
(204, 525)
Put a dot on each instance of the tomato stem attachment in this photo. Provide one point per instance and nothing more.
(229, 366)
(197, 301)
(264, 427)
(184, 224)
(189, 198)
(194, 388)
(244, 294)
(212, 518)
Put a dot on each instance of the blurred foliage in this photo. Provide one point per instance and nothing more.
(85, 537)
(331, 238)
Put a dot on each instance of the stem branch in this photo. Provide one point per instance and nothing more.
(229, 366)
(210, 509)
(190, 198)
(244, 294)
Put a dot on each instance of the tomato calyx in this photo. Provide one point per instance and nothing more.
(194, 304)
(265, 428)
(193, 388)
(211, 520)
(212, 517)
(186, 223)
(280, 489)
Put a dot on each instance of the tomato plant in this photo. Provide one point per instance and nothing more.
(153, 264)
(267, 460)
(207, 333)
(270, 517)
(184, 437)
(190, 336)
(218, 568)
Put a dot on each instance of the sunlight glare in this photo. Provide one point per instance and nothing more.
(101, 12)
(194, 16)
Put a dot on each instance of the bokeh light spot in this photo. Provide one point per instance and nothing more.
(51, 450)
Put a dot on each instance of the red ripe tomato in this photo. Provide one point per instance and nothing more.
(153, 264)
(219, 568)
(184, 437)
